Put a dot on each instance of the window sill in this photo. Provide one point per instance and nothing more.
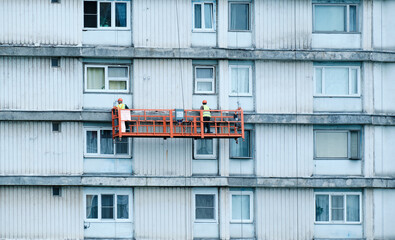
(338, 223)
(108, 221)
(240, 158)
(105, 29)
(109, 157)
(337, 33)
(204, 93)
(337, 96)
(106, 92)
(205, 158)
(205, 221)
(241, 221)
(337, 159)
(244, 31)
(240, 95)
(203, 31)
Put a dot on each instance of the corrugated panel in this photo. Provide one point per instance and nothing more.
(33, 213)
(367, 25)
(222, 23)
(32, 84)
(284, 214)
(162, 23)
(31, 148)
(159, 157)
(284, 150)
(29, 22)
(163, 213)
(224, 82)
(283, 24)
(162, 84)
(284, 87)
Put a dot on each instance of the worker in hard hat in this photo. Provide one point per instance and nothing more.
(121, 105)
(206, 116)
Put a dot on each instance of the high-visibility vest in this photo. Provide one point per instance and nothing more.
(206, 112)
(121, 106)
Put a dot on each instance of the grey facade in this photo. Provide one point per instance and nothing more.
(320, 153)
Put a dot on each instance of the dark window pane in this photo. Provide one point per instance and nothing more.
(106, 143)
(105, 14)
(239, 16)
(90, 14)
(203, 200)
(353, 19)
(90, 7)
(91, 206)
(122, 206)
(204, 213)
(122, 146)
(241, 148)
(107, 206)
(198, 16)
(120, 14)
(204, 146)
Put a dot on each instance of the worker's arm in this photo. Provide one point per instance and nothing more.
(126, 106)
(201, 108)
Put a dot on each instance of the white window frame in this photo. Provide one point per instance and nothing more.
(347, 5)
(99, 155)
(112, 16)
(244, 193)
(323, 94)
(205, 191)
(344, 194)
(249, 15)
(249, 94)
(99, 211)
(348, 131)
(107, 78)
(205, 156)
(212, 80)
(203, 29)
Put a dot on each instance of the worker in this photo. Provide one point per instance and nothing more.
(206, 116)
(121, 105)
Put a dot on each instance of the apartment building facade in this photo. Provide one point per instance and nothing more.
(315, 81)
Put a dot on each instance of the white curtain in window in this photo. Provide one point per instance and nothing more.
(91, 206)
(240, 80)
(240, 207)
(204, 146)
(239, 16)
(242, 148)
(336, 81)
(96, 79)
(208, 15)
(91, 142)
(353, 208)
(331, 144)
(322, 208)
(106, 143)
(122, 206)
(117, 85)
(329, 18)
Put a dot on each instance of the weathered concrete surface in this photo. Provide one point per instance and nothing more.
(256, 118)
(134, 181)
(195, 53)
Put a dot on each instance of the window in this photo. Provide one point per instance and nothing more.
(107, 206)
(56, 191)
(239, 16)
(242, 206)
(337, 144)
(205, 207)
(339, 18)
(338, 207)
(241, 80)
(203, 16)
(241, 148)
(56, 127)
(55, 1)
(205, 148)
(113, 78)
(55, 62)
(100, 142)
(337, 80)
(106, 14)
(204, 79)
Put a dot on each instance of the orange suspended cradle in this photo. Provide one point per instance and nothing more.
(176, 123)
